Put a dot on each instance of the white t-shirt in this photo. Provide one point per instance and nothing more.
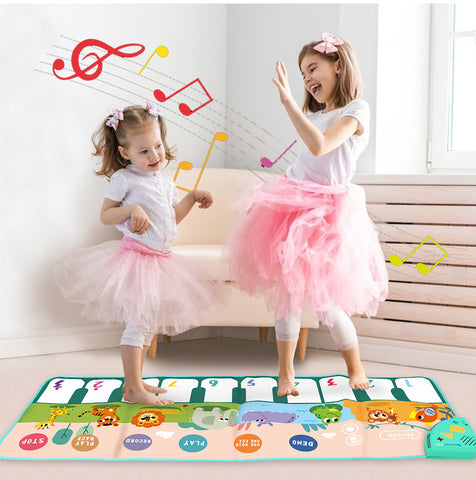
(156, 194)
(337, 166)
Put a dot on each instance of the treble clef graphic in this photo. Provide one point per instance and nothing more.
(82, 73)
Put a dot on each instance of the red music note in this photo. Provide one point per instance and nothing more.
(183, 107)
(58, 64)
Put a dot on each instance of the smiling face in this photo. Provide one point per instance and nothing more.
(320, 78)
(144, 147)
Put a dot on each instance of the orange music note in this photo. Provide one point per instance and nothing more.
(220, 136)
(183, 165)
(160, 51)
(421, 267)
(183, 107)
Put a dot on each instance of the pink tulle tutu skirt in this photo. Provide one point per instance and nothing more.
(126, 282)
(308, 244)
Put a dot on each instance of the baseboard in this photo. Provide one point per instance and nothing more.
(78, 339)
(381, 350)
(399, 352)
(54, 340)
(435, 357)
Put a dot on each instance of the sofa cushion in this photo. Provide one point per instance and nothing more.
(212, 226)
(209, 258)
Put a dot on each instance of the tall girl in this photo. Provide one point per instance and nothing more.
(137, 281)
(308, 239)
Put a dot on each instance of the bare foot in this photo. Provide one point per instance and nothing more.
(144, 397)
(358, 379)
(286, 386)
(152, 389)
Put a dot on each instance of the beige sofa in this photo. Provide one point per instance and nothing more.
(202, 235)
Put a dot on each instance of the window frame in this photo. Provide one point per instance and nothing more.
(439, 157)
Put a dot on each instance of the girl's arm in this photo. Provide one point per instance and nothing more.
(318, 142)
(182, 208)
(112, 213)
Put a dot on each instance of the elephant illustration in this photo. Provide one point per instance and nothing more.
(214, 419)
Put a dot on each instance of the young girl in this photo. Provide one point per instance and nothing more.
(137, 281)
(308, 238)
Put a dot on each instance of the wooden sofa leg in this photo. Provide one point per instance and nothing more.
(153, 347)
(166, 338)
(302, 343)
(263, 334)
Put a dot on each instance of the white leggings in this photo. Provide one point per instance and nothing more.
(342, 331)
(136, 338)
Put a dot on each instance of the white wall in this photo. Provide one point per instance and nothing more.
(359, 23)
(49, 197)
(402, 88)
(258, 36)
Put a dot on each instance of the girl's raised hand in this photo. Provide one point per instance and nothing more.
(139, 219)
(282, 83)
(204, 198)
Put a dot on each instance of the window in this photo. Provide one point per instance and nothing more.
(453, 88)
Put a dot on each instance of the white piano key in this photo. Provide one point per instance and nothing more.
(219, 389)
(179, 389)
(308, 392)
(260, 388)
(380, 389)
(99, 390)
(336, 388)
(60, 390)
(418, 389)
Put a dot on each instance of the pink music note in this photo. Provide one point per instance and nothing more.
(82, 73)
(267, 163)
(183, 107)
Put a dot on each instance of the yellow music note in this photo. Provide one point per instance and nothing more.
(220, 136)
(160, 51)
(421, 267)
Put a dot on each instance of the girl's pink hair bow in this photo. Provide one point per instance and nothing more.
(328, 44)
(113, 121)
(152, 109)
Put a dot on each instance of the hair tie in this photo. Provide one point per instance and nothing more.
(113, 121)
(328, 43)
(152, 109)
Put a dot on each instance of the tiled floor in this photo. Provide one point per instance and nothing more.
(21, 378)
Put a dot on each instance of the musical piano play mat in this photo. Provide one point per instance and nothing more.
(234, 419)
